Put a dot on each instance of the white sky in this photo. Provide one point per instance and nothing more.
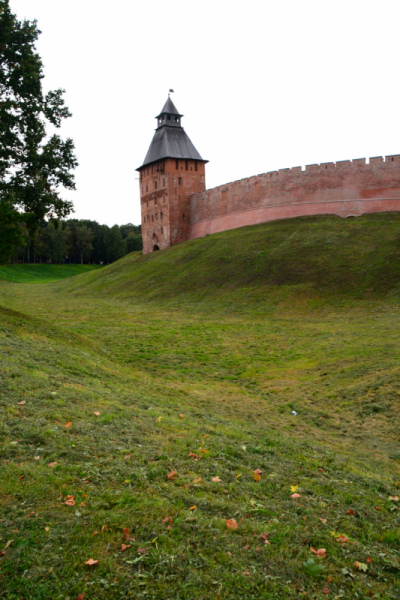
(263, 85)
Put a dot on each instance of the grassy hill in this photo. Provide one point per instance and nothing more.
(42, 273)
(149, 379)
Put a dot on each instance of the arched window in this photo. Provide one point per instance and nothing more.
(179, 180)
(163, 182)
(155, 185)
(161, 215)
(152, 218)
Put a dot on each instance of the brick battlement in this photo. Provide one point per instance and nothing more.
(345, 188)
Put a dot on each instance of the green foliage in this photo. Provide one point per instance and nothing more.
(313, 569)
(10, 229)
(32, 168)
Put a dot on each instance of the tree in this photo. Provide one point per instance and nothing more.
(83, 242)
(32, 168)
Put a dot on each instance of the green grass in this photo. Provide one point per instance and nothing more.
(42, 273)
(202, 349)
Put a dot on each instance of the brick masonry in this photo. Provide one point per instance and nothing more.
(165, 190)
(347, 188)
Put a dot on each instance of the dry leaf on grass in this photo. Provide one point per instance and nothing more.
(231, 524)
(295, 496)
(36, 457)
(171, 475)
(70, 501)
(22, 403)
(394, 498)
(342, 539)
(68, 424)
(126, 535)
(192, 507)
(216, 480)
(294, 488)
(81, 596)
(361, 566)
(322, 520)
(91, 562)
(96, 412)
(321, 552)
(192, 455)
(351, 511)
(124, 547)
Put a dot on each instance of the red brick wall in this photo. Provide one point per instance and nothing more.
(165, 190)
(345, 189)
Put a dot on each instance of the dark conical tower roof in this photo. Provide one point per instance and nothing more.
(170, 139)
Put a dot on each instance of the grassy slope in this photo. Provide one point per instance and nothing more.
(233, 332)
(42, 273)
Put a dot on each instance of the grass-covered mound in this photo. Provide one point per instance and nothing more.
(42, 273)
(294, 258)
(199, 386)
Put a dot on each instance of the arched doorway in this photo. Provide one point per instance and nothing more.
(155, 248)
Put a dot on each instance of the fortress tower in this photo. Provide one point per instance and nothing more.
(170, 173)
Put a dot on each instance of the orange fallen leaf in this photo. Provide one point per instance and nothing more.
(81, 596)
(319, 469)
(172, 474)
(103, 527)
(82, 504)
(342, 539)
(142, 550)
(378, 508)
(127, 456)
(246, 547)
(369, 560)
(36, 457)
(52, 464)
(322, 520)
(22, 403)
(126, 535)
(325, 590)
(182, 416)
(96, 412)
(124, 547)
(321, 552)
(216, 480)
(351, 511)
(198, 480)
(167, 519)
(192, 507)
(394, 498)
(295, 496)
(95, 533)
(68, 424)
(70, 501)
(231, 524)
(265, 538)
(257, 472)
(256, 477)
(91, 562)
(246, 573)
(192, 455)
(47, 528)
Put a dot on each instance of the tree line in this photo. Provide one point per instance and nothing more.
(77, 241)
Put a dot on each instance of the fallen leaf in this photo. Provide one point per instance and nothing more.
(172, 474)
(167, 519)
(325, 590)
(91, 562)
(294, 488)
(246, 547)
(103, 527)
(361, 566)
(394, 498)
(68, 424)
(22, 403)
(182, 416)
(369, 560)
(96, 412)
(295, 496)
(47, 528)
(342, 539)
(322, 520)
(142, 550)
(198, 480)
(192, 455)
(265, 538)
(70, 501)
(246, 573)
(36, 457)
(81, 596)
(257, 472)
(319, 469)
(158, 419)
(351, 511)
(124, 547)
(256, 477)
(231, 524)
(95, 533)
(192, 507)
(378, 508)
(216, 480)
(127, 456)
(126, 535)
(52, 464)
(321, 552)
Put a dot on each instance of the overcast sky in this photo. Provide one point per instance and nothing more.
(263, 85)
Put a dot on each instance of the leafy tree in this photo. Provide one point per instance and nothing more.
(114, 244)
(133, 243)
(83, 242)
(32, 168)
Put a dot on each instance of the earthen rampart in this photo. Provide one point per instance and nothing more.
(345, 188)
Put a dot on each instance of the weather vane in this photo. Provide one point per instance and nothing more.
(170, 91)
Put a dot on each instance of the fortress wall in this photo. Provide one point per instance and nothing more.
(347, 188)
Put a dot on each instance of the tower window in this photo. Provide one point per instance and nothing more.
(187, 165)
(147, 188)
(163, 182)
(183, 216)
(168, 118)
(142, 189)
(161, 215)
(195, 165)
(155, 185)
(152, 218)
(177, 164)
(147, 204)
(155, 200)
(163, 198)
(162, 231)
(179, 180)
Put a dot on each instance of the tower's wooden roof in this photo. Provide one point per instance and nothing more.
(170, 140)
